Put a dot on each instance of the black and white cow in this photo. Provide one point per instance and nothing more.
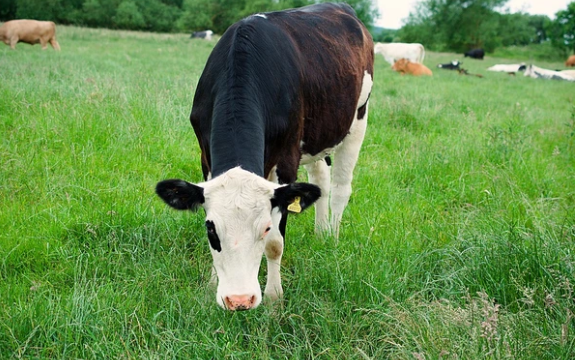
(540, 73)
(454, 65)
(279, 89)
(206, 34)
(475, 54)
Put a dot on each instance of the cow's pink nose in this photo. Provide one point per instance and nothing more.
(240, 302)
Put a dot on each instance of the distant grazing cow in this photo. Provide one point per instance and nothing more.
(395, 51)
(206, 34)
(507, 68)
(454, 65)
(475, 54)
(570, 61)
(404, 66)
(540, 73)
(279, 89)
(29, 31)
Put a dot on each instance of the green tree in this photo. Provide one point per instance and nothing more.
(99, 13)
(540, 24)
(128, 16)
(455, 25)
(7, 10)
(562, 29)
(196, 15)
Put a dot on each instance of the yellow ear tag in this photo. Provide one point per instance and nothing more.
(295, 206)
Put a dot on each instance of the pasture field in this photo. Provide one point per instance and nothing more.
(458, 241)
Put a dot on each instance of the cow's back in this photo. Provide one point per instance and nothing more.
(304, 67)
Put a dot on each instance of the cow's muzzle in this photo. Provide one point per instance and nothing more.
(240, 302)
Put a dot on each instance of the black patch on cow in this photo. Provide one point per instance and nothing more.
(283, 223)
(327, 160)
(522, 68)
(362, 109)
(180, 194)
(213, 236)
(285, 195)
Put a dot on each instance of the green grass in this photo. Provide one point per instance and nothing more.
(458, 242)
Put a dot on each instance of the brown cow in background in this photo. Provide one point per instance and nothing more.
(570, 61)
(29, 31)
(404, 66)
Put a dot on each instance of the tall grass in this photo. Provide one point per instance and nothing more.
(458, 241)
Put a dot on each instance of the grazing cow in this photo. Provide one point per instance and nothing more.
(30, 32)
(206, 35)
(475, 54)
(404, 66)
(540, 73)
(394, 51)
(279, 89)
(508, 68)
(454, 65)
(570, 61)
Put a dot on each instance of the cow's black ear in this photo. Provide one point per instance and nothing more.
(295, 197)
(180, 194)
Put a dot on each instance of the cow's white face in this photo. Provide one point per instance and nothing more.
(243, 212)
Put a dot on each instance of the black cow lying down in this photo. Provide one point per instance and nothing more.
(475, 54)
(279, 89)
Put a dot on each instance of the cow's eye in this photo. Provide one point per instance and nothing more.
(266, 231)
(213, 236)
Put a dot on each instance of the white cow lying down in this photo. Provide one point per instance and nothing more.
(508, 68)
(392, 52)
(29, 31)
(540, 73)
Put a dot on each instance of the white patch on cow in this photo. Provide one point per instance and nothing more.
(261, 15)
(505, 67)
(273, 175)
(310, 159)
(238, 203)
(274, 244)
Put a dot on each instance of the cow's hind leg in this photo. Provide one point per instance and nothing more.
(345, 158)
(54, 44)
(318, 174)
(13, 42)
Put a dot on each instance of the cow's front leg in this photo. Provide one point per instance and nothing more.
(273, 251)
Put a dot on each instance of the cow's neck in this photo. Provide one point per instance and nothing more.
(237, 137)
(238, 121)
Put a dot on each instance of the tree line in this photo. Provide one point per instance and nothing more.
(460, 25)
(158, 15)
